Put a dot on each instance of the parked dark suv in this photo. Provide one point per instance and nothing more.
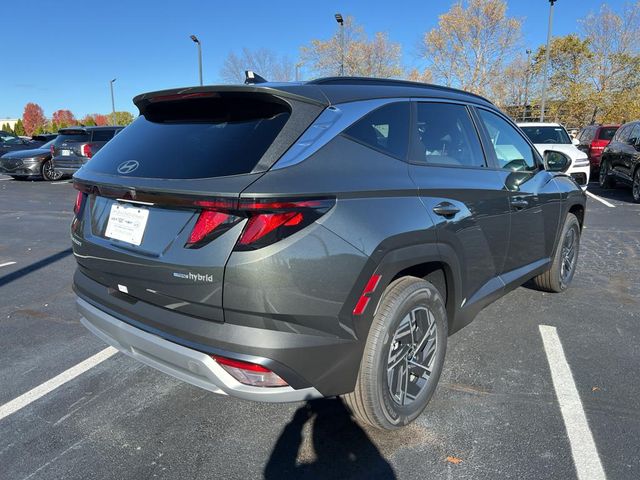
(74, 146)
(281, 242)
(621, 159)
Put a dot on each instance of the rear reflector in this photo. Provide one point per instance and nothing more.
(250, 373)
(369, 288)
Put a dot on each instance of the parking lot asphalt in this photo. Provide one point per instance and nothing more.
(495, 413)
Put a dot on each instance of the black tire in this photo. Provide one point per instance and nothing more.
(372, 402)
(605, 179)
(48, 173)
(558, 278)
(635, 187)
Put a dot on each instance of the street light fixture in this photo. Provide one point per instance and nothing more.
(113, 103)
(340, 21)
(546, 62)
(298, 65)
(197, 42)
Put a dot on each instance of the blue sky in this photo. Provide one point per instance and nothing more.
(62, 54)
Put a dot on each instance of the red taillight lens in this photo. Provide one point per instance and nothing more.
(78, 205)
(265, 223)
(207, 222)
(85, 150)
(250, 373)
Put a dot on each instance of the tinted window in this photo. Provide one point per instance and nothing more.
(77, 136)
(385, 129)
(446, 136)
(199, 138)
(102, 135)
(624, 132)
(546, 134)
(607, 133)
(635, 135)
(512, 151)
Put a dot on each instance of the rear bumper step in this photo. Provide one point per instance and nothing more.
(184, 363)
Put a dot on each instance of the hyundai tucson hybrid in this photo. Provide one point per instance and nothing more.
(287, 241)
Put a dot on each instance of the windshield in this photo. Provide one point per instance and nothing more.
(547, 134)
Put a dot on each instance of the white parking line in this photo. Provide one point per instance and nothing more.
(50, 385)
(63, 182)
(7, 178)
(6, 264)
(583, 447)
(601, 200)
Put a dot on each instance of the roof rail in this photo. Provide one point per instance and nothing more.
(387, 81)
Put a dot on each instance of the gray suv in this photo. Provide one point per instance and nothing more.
(75, 146)
(282, 242)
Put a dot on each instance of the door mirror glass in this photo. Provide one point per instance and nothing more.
(556, 161)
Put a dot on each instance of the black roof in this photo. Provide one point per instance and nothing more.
(328, 91)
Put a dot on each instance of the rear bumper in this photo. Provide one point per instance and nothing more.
(186, 364)
(68, 165)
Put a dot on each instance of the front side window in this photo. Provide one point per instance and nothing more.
(446, 136)
(511, 149)
(385, 129)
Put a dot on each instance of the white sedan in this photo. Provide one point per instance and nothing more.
(553, 136)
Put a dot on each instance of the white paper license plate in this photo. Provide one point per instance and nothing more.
(65, 153)
(127, 223)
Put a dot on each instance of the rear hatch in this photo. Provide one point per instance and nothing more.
(158, 213)
(68, 143)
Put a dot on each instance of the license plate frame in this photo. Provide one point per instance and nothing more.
(127, 223)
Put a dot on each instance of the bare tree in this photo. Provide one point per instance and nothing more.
(471, 44)
(614, 42)
(363, 56)
(263, 61)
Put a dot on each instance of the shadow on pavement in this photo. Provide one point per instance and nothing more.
(621, 193)
(34, 266)
(338, 447)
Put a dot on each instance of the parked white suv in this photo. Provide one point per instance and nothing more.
(553, 136)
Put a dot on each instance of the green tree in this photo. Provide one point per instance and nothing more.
(122, 118)
(18, 128)
(6, 128)
(364, 56)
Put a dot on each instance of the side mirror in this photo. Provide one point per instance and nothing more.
(575, 141)
(555, 161)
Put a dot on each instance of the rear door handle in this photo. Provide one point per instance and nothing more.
(519, 203)
(446, 209)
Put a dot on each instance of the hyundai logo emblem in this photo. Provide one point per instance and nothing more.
(128, 166)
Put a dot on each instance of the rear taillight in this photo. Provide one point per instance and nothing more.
(85, 150)
(77, 208)
(268, 221)
(597, 146)
(250, 373)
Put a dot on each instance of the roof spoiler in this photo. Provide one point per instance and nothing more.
(251, 78)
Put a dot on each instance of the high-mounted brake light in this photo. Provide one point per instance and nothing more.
(85, 150)
(250, 373)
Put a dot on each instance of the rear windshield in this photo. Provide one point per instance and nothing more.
(546, 134)
(198, 138)
(607, 133)
(78, 136)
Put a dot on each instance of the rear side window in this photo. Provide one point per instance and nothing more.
(607, 133)
(385, 129)
(623, 134)
(635, 135)
(446, 136)
(195, 138)
(102, 135)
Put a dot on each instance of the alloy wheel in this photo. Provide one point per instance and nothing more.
(568, 256)
(50, 173)
(411, 355)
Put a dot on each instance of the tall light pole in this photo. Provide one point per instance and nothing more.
(197, 42)
(526, 85)
(340, 21)
(546, 62)
(113, 103)
(298, 65)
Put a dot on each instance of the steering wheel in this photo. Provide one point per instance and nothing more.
(549, 140)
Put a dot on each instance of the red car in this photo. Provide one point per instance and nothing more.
(593, 139)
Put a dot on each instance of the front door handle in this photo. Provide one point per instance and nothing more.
(519, 203)
(446, 209)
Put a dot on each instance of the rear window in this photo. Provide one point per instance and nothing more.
(196, 138)
(607, 133)
(72, 136)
